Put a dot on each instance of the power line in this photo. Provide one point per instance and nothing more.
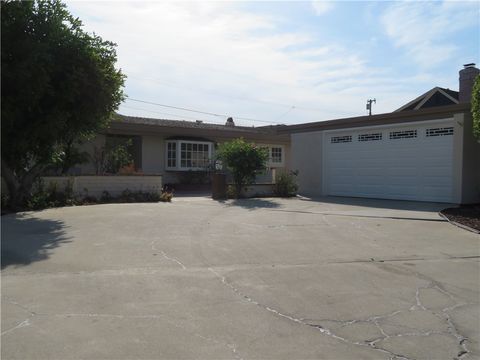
(177, 107)
(167, 84)
(165, 113)
(285, 113)
(199, 111)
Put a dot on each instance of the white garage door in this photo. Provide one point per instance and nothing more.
(407, 162)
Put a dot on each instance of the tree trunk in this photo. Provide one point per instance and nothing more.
(19, 187)
(238, 186)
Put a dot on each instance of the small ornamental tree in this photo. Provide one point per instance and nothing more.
(476, 108)
(60, 86)
(244, 160)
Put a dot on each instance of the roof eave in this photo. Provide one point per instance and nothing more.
(379, 119)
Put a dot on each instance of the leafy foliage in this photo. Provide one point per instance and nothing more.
(117, 157)
(112, 157)
(286, 184)
(51, 196)
(68, 157)
(244, 160)
(59, 85)
(44, 197)
(476, 107)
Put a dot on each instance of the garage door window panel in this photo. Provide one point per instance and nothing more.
(440, 131)
(370, 137)
(341, 139)
(403, 134)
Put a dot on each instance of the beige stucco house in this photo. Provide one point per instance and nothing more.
(177, 149)
(424, 151)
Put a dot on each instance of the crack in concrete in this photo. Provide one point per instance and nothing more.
(375, 320)
(299, 321)
(452, 330)
(232, 347)
(418, 306)
(165, 256)
(24, 323)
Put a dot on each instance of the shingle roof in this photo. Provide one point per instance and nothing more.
(192, 124)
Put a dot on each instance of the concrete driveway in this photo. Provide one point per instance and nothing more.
(249, 279)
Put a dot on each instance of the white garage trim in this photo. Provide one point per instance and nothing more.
(395, 161)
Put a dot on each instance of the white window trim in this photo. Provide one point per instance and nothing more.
(179, 143)
(270, 163)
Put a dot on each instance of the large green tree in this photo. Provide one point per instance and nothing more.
(476, 108)
(244, 160)
(59, 86)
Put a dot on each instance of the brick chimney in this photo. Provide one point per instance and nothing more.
(466, 80)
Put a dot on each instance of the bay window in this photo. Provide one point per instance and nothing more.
(182, 155)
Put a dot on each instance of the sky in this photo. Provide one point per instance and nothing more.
(266, 63)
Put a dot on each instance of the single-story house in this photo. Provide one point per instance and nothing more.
(424, 151)
(179, 150)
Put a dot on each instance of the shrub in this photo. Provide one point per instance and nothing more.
(231, 192)
(42, 198)
(166, 194)
(106, 197)
(244, 160)
(113, 158)
(476, 108)
(118, 157)
(286, 184)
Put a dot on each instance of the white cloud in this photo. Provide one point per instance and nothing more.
(215, 57)
(423, 28)
(321, 7)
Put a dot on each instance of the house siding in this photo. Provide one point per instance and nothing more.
(306, 157)
(153, 154)
(471, 163)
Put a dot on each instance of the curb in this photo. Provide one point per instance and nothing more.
(464, 227)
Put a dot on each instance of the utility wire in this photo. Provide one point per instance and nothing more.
(198, 111)
(165, 113)
(176, 107)
(285, 113)
(167, 84)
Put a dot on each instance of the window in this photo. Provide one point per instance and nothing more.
(370, 137)
(171, 154)
(341, 139)
(194, 155)
(405, 134)
(188, 155)
(276, 155)
(439, 131)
